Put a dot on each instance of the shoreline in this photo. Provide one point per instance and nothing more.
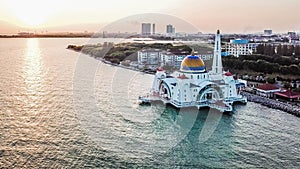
(271, 103)
(274, 104)
(122, 66)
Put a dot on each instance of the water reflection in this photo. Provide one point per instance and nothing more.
(33, 73)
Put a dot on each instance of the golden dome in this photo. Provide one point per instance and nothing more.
(192, 63)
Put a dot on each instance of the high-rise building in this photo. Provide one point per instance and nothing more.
(146, 28)
(268, 32)
(170, 29)
(293, 35)
(153, 28)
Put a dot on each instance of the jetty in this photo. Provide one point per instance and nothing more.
(293, 109)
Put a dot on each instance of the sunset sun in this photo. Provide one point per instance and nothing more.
(31, 12)
(32, 18)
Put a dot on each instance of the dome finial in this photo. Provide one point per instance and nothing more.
(193, 52)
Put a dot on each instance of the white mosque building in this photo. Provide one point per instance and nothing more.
(194, 86)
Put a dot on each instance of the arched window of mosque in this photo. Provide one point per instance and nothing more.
(198, 76)
(191, 76)
(204, 76)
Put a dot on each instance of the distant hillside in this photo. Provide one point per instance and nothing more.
(90, 27)
(8, 28)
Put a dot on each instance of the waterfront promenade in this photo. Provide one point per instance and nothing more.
(293, 109)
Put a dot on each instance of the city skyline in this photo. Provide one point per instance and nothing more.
(231, 16)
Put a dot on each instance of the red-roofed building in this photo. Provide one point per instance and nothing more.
(288, 95)
(267, 90)
(227, 74)
(182, 77)
(159, 69)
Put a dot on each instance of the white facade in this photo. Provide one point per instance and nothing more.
(240, 47)
(149, 57)
(157, 57)
(168, 58)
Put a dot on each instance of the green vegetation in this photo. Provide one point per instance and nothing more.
(74, 47)
(279, 50)
(273, 59)
(116, 53)
(267, 62)
(264, 64)
(202, 47)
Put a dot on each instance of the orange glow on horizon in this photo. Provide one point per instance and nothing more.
(32, 13)
(232, 16)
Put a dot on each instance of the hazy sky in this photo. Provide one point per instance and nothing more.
(207, 15)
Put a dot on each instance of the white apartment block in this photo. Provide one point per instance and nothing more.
(239, 47)
(157, 57)
(168, 58)
(149, 57)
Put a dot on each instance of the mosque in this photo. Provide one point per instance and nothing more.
(194, 86)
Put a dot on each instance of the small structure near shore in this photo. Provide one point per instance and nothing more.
(266, 90)
(288, 95)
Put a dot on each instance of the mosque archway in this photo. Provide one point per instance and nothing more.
(164, 91)
(208, 94)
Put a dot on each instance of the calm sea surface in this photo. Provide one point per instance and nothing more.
(61, 109)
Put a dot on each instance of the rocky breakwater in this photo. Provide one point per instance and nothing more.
(291, 108)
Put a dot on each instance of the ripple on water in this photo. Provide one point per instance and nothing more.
(40, 127)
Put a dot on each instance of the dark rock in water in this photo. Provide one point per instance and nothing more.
(75, 47)
(275, 104)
